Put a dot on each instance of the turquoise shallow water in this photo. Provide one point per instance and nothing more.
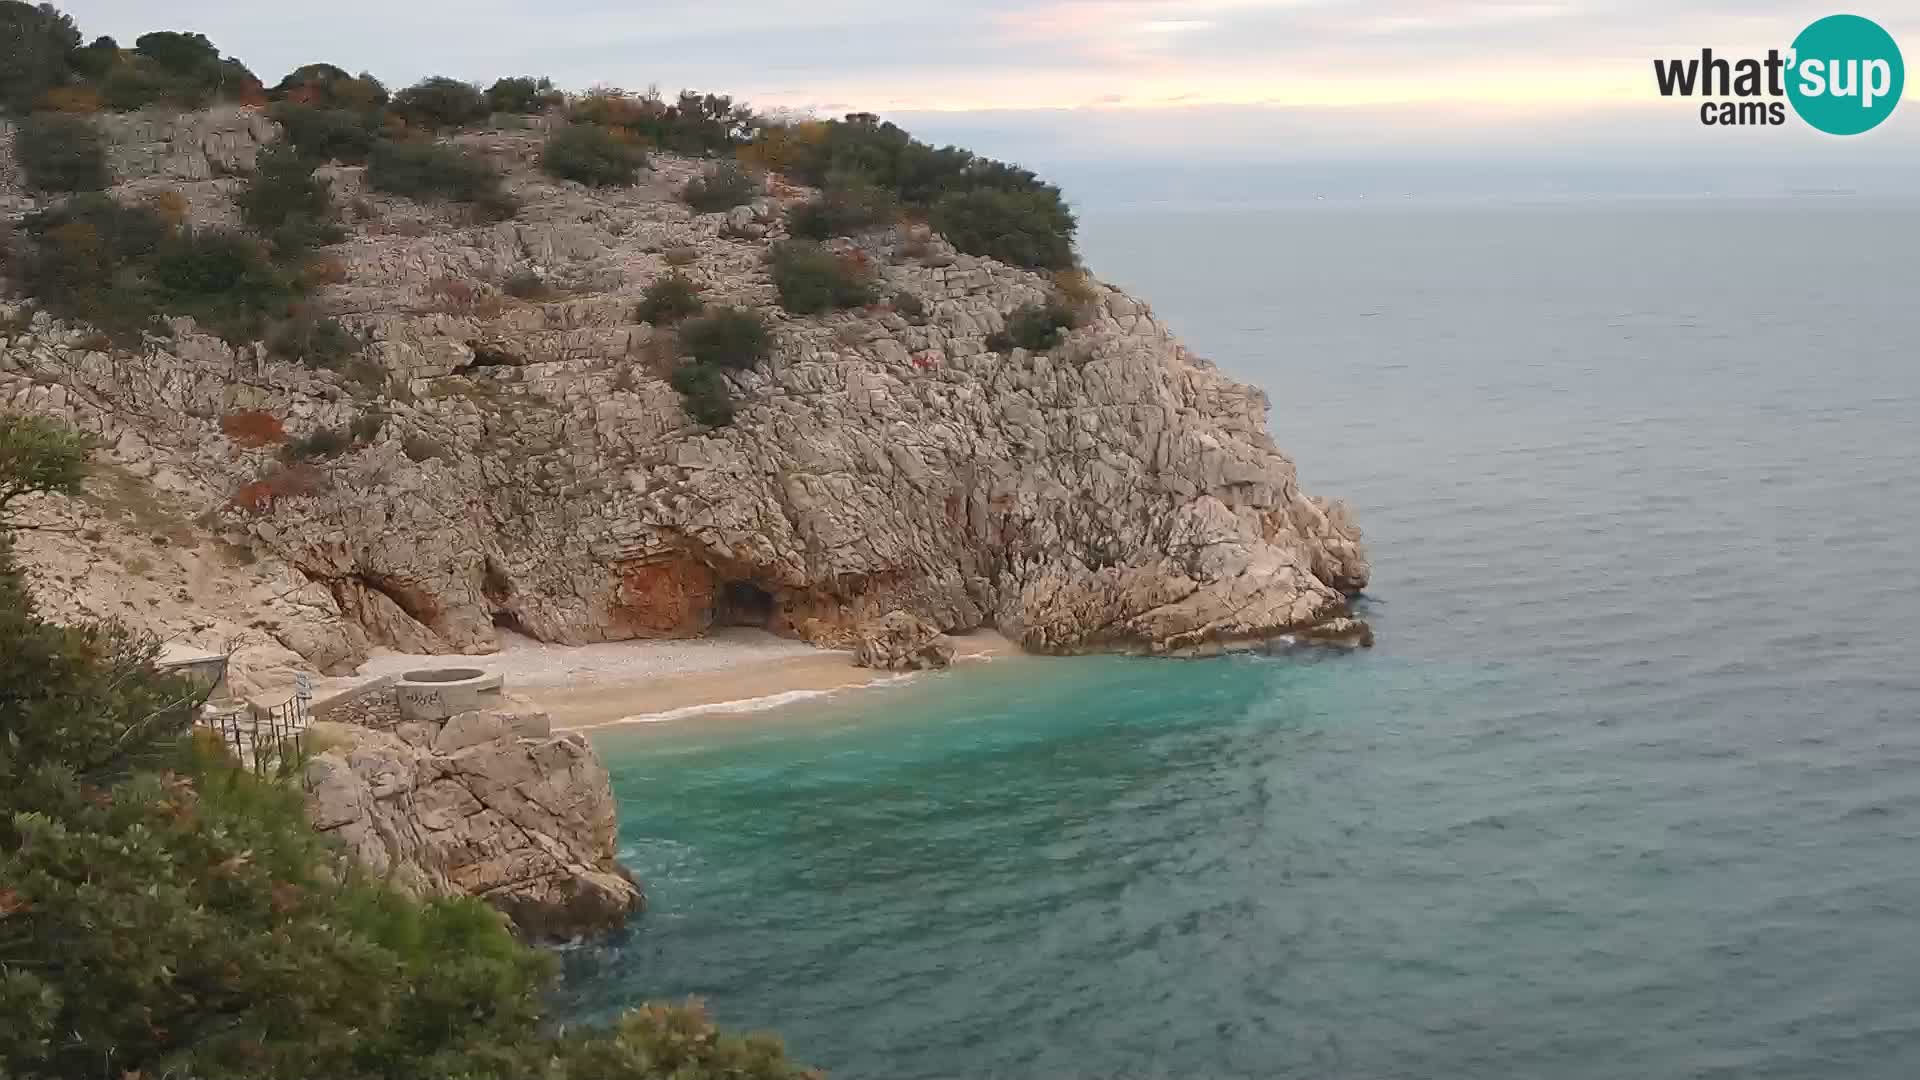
(1631, 786)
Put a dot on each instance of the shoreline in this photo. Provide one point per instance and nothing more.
(734, 671)
(735, 690)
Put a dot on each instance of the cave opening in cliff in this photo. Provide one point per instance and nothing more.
(742, 603)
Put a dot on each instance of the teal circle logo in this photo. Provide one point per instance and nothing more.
(1846, 75)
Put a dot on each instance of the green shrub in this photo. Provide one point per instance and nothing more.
(61, 153)
(704, 392)
(593, 155)
(523, 95)
(440, 102)
(325, 134)
(88, 262)
(317, 343)
(847, 207)
(119, 267)
(495, 205)
(811, 279)
(986, 207)
(721, 187)
(366, 427)
(732, 338)
(223, 279)
(1024, 228)
(670, 298)
(692, 124)
(323, 443)
(288, 204)
(1035, 327)
(432, 170)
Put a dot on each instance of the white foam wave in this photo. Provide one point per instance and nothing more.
(756, 704)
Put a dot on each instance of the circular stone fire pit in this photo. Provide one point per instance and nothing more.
(438, 693)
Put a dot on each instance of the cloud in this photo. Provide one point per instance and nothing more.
(1390, 69)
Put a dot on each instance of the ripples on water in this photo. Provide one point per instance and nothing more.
(1631, 786)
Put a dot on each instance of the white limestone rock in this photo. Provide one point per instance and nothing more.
(486, 804)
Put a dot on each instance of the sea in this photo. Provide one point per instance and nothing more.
(1629, 787)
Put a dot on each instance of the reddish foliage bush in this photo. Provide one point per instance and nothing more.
(254, 498)
(71, 99)
(324, 270)
(451, 292)
(456, 297)
(171, 205)
(253, 428)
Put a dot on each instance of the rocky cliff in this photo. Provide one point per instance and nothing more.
(533, 469)
(484, 804)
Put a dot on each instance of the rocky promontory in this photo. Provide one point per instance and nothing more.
(520, 460)
(490, 804)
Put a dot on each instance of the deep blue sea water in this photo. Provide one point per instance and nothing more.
(1630, 786)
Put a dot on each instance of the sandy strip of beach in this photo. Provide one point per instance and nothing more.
(585, 686)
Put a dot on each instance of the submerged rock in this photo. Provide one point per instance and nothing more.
(485, 804)
(1344, 632)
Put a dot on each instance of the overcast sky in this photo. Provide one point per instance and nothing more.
(1554, 83)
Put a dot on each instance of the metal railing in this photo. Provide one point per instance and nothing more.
(268, 740)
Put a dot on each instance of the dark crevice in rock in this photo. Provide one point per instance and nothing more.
(488, 354)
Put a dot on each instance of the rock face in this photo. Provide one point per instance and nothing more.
(902, 641)
(486, 804)
(535, 471)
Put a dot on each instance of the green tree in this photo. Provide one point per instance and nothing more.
(523, 95)
(38, 43)
(182, 54)
(440, 102)
(1033, 229)
(165, 913)
(98, 58)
